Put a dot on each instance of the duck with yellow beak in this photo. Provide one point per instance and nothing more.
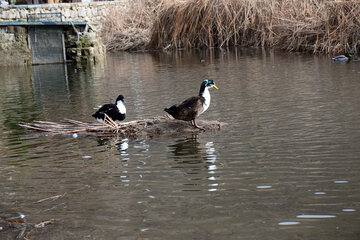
(192, 107)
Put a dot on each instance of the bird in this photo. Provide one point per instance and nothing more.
(342, 58)
(192, 107)
(77, 70)
(115, 111)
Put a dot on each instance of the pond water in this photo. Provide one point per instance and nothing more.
(287, 165)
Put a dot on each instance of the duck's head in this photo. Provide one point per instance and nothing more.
(120, 98)
(348, 55)
(208, 83)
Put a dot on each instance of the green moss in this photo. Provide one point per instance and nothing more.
(86, 41)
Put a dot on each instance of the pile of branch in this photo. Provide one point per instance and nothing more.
(156, 126)
(25, 228)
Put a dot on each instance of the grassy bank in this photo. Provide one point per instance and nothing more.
(309, 25)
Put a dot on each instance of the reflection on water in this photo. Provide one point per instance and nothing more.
(315, 216)
(288, 223)
(263, 187)
(341, 181)
(198, 160)
(188, 148)
(349, 210)
(286, 166)
(51, 84)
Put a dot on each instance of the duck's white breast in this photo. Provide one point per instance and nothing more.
(120, 105)
(207, 97)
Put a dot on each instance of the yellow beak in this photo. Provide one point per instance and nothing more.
(215, 87)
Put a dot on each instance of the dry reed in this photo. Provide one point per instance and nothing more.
(308, 25)
(129, 28)
(324, 26)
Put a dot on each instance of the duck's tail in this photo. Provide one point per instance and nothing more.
(171, 110)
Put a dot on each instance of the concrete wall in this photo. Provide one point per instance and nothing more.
(92, 13)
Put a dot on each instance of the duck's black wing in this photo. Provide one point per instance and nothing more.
(109, 109)
(193, 103)
(188, 109)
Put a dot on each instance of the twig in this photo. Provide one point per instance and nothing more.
(71, 131)
(51, 198)
(35, 128)
(74, 121)
(44, 223)
(22, 233)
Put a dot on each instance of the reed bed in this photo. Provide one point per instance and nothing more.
(309, 25)
(129, 28)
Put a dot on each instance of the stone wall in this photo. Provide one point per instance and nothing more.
(14, 47)
(81, 47)
(93, 13)
(13, 40)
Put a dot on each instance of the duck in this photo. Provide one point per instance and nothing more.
(77, 70)
(116, 112)
(342, 58)
(192, 107)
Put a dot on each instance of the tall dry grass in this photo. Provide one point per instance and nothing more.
(129, 28)
(307, 25)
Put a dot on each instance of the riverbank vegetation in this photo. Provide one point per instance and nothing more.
(130, 28)
(318, 26)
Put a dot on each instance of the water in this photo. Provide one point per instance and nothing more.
(286, 167)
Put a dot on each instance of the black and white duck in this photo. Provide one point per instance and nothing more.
(342, 58)
(115, 111)
(192, 107)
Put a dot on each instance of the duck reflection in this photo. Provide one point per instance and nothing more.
(121, 144)
(197, 159)
(187, 151)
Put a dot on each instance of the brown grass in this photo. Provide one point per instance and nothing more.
(129, 28)
(307, 25)
(318, 26)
